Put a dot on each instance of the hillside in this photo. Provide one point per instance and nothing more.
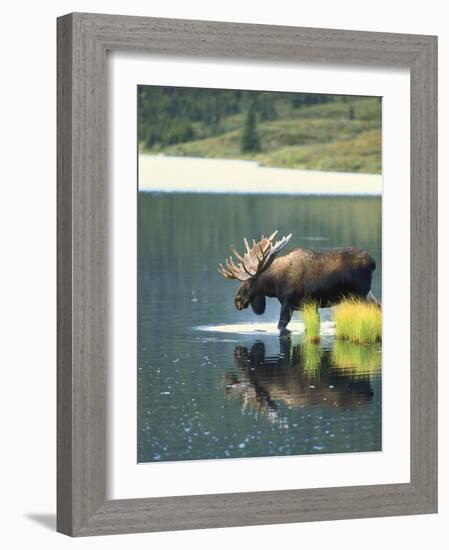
(305, 131)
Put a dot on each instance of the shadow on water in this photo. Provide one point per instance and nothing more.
(301, 375)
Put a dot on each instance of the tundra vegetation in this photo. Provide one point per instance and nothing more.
(358, 322)
(312, 323)
(285, 130)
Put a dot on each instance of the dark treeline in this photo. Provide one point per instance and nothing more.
(169, 115)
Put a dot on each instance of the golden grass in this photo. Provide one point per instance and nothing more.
(357, 149)
(358, 322)
(361, 153)
(311, 317)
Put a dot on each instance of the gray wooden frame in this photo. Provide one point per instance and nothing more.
(83, 40)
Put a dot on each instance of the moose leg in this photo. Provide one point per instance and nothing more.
(285, 317)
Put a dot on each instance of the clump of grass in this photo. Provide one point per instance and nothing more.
(358, 322)
(312, 323)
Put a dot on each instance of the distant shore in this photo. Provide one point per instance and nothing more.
(199, 175)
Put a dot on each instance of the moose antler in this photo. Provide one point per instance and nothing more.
(255, 260)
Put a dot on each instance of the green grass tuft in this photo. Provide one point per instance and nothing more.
(312, 322)
(358, 322)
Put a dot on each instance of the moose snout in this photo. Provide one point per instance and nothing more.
(240, 304)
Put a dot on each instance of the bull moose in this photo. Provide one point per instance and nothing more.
(323, 277)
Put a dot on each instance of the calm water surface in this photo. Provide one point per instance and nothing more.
(205, 394)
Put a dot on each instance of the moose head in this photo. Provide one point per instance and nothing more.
(251, 265)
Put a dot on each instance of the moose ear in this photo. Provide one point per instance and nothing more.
(258, 304)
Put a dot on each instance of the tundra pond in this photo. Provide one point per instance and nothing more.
(216, 383)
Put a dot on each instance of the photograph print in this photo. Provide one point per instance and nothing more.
(259, 274)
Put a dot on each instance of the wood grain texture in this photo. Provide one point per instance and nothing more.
(64, 277)
(83, 40)
(423, 274)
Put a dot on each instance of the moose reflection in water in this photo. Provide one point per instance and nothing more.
(301, 375)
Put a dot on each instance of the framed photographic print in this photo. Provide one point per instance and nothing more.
(247, 280)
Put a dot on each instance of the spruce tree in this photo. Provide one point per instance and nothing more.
(250, 140)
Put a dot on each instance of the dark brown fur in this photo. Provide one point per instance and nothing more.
(304, 275)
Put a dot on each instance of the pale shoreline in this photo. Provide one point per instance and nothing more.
(170, 174)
